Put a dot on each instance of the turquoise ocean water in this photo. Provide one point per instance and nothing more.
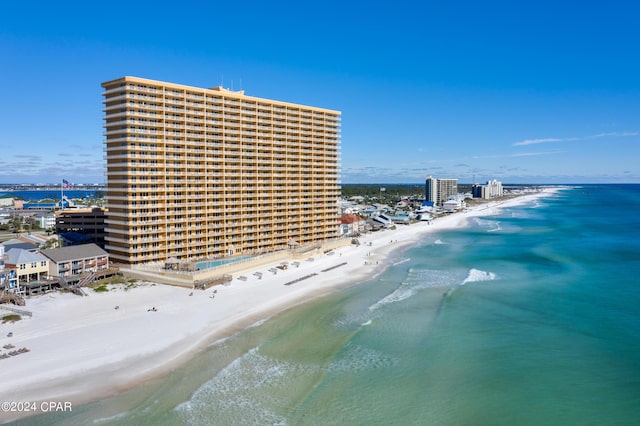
(529, 317)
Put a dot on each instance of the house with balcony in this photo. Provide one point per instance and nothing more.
(73, 261)
(8, 276)
(29, 267)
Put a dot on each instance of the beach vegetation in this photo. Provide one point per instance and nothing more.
(114, 279)
(11, 318)
(101, 288)
(131, 283)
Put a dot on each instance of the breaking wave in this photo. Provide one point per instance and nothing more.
(490, 225)
(476, 275)
(417, 279)
(239, 392)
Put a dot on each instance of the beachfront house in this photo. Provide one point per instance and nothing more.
(8, 276)
(8, 279)
(29, 266)
(453, 205)
(76, 260)
(351, 224)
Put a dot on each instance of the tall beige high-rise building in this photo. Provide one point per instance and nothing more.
(197, 173)
(439, 190)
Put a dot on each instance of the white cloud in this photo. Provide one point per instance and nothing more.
(552, 140)
(521, 154)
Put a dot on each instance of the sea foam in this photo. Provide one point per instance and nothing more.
(417, 279)
(476, 275)
(238, 392)
(490, 225)
(360, 358)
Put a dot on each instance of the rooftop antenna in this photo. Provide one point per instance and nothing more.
(222, 80)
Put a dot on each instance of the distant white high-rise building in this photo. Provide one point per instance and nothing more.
(439, 190)
(491, 189)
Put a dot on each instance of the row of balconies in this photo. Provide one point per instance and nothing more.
(208, 98)
(225, 136)
(138, 217)
(192, 241)
(295, 190)
(166, 156)
(206, 171)
(161, 146)
(307, 181)
(203, 173)
(210, 209)
(320, 218)
(214, 222)
(230, 180)
(302, 168)
(181, 105)
(153, 254)
(222, 131)
(249, 163)
(213, 102)
(251, 160)
(165, 121)
(191, 158)
(213, 198)
(219, 126)
(213, 141)
(302, 229)
(181, 109)
(221, 134)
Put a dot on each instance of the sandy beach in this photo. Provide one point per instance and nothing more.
(86, 348)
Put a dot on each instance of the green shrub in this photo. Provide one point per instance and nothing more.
(11, 318)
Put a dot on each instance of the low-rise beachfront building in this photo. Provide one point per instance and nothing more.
(351, 224)
(29, 266)
(76, 260)
(9, 279)
(452, 205)
(8, 275)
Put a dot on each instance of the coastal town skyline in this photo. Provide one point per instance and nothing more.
(528, 93)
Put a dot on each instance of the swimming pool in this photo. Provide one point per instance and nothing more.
(208, 264)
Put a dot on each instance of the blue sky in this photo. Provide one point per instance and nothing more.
(524, 92)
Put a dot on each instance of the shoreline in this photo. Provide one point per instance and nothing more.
(84, 349)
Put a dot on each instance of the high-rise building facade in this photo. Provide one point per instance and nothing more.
(492, 189)
(439, 190)
(197, 173)
(431, 189)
